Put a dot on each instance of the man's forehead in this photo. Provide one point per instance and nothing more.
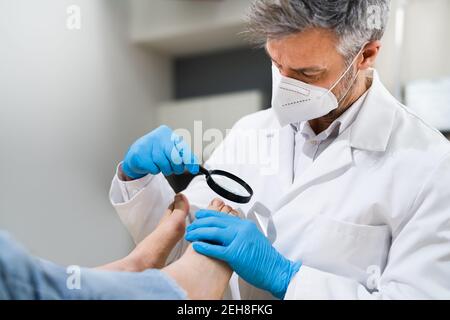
(303, 50)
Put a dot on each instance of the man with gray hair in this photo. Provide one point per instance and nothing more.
(360, 205)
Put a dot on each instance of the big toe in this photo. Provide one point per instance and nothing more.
(181, 205)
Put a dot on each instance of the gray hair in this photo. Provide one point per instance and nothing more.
(354, 22)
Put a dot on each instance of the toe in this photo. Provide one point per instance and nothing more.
(181, 205)
(234, 213)
(226, 209)
(217, 204)
(167, 213)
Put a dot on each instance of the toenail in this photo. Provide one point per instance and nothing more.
(217, 202)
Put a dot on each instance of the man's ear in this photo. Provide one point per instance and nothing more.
(370, 54)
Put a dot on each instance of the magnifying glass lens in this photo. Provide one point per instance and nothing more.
(230, 185)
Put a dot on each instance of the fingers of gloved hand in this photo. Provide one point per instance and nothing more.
(202, 214)
(194, 166)
(137, 163)
(190, 161)
(172, 153)
(131, 171)
(151, 167)
(160, 160)
(210, 250)
(213, 235)
(211, 222)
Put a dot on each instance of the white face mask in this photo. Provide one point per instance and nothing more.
(295, 101)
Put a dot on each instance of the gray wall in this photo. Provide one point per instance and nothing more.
(70, 104)
(221, 72)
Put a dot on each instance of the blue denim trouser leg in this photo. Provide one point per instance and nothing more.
(25, 277)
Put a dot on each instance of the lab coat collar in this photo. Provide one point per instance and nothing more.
(373, 126)
(338, 126)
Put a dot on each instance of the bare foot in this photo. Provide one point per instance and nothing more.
(153, 251)
(201, 276)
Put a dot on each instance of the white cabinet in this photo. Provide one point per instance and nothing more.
(180, 27)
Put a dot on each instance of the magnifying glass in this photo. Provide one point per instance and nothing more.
(228, 185)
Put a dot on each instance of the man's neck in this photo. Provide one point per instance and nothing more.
(362, 84)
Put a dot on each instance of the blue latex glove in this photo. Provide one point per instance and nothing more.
(242, 245)
(159, 151)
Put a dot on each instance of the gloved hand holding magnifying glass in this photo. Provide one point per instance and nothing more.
(159, 151)
(164, 151)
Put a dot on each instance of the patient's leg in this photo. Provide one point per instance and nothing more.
(153, 251)
(200, 276)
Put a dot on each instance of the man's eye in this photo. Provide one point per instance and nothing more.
(310, 75)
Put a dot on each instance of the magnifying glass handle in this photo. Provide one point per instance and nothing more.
(204, 171)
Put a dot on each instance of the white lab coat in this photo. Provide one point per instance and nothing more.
(369, 219)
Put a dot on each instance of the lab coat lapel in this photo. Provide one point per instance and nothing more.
(280, 150)
(285, 156)
(373, 127)
(332, 161)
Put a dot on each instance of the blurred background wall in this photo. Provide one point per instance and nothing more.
(72, 101)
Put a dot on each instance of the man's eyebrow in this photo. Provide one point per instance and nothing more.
(311, 69)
